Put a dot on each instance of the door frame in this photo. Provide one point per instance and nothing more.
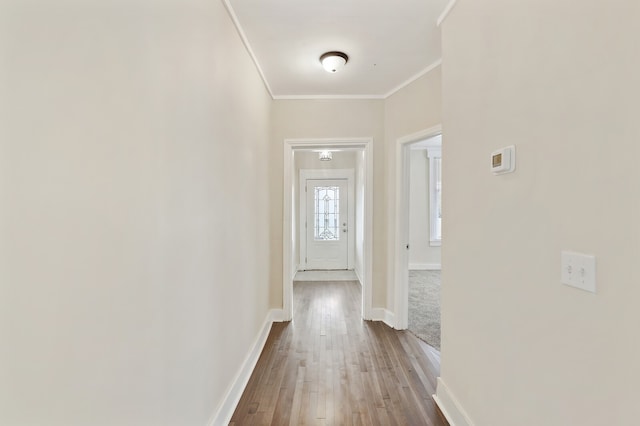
(288, 227)
(337, 174)
(401, 253)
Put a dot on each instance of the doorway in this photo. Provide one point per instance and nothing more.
(425, 236)
(326, 219)
(360, 228)
(404, 249)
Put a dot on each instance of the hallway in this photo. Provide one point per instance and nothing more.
(330, 367)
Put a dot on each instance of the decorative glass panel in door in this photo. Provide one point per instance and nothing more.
(327, 213)
(327, 226)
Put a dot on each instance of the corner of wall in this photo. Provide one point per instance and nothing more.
(446, 11)
(223, 414)
(358, 272)
(450, 406)
(384, 315)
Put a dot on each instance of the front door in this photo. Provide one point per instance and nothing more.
(327, 227)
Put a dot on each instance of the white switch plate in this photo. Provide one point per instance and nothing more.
(578, 270)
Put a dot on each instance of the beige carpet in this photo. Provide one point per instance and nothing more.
(424, 306)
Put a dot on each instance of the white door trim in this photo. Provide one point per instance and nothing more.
(347, 174)
(401, 262)
(288, 226)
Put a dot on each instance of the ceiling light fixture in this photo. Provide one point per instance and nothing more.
(333, 61)
(325, 156)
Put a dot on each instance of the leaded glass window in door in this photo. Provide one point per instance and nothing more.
(327, 213)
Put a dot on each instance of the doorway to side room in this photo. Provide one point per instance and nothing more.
(419, 231)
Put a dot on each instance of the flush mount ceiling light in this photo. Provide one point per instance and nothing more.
(333, 61)
(325, 156)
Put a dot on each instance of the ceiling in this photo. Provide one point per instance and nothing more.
(390, 43)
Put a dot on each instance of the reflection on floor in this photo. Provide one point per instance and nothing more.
(328, 367)
(341, 275)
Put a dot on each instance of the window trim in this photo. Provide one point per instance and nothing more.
(433, 154)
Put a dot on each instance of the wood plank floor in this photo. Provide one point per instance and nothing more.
(328, 367)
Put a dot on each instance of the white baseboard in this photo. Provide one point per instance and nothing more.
(450, 406)
(275, 315)
(223, 414)
(425, 266)
(384, 315)
(358, 274)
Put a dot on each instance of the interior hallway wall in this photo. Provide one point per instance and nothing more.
(132, 144)
(560, 81)
(414, 108)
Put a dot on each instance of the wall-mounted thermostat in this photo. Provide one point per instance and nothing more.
(503, 160)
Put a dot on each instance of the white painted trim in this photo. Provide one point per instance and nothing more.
(358, 273)
(450, 406)
(247, 45)
(425, 71)
(384, 315)
(225, 410)
(288, 224)
(330, 97)
(410, 80)
(245, 41)
(401, 255)
(434, 150)
(446, 12)
(428, 145)
(434, 153)
(276, 315)
(349, 175)
(425, 266)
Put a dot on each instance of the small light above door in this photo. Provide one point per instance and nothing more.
(325, 156)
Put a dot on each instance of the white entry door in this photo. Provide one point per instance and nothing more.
(327, 227)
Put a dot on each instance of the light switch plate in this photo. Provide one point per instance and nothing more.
(578, 270)
(566, 274)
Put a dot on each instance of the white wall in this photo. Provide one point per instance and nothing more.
(560, 81)
(421, 254)
(132, 144)
(412, 109)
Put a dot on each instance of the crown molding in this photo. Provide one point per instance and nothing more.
(446, 12)
(245, 41)
(247, 45)
(415, 77)
(327, 97)
(424, 72)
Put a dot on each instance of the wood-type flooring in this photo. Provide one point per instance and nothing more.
(329, 367)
